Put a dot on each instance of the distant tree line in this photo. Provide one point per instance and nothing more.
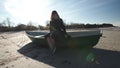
(76, 25)
(7, 26)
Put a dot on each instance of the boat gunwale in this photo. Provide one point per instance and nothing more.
(42, 37)
(99, 33)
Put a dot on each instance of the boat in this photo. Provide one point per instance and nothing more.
(78, 38)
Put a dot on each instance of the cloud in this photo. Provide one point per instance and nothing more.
(26, 10)
(2, 19)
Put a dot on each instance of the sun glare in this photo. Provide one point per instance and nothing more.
(29, 10)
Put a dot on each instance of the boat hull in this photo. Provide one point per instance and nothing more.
(86, 41)
(73, 42)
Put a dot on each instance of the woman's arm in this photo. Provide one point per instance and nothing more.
(63, 26)
(50, 27)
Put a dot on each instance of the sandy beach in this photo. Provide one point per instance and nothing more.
(17, 51)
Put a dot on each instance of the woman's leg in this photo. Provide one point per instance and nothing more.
(51, 44)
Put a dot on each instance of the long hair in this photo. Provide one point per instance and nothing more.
(54, 15)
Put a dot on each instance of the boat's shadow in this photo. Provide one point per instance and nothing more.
(73, 58)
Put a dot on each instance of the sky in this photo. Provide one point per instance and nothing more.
(71, 11)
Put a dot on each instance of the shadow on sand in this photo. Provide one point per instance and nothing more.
(73, 58)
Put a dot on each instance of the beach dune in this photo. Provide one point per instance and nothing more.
(17, 51)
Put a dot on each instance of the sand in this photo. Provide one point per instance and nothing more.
(17, 51)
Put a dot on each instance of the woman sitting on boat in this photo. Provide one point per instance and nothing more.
(57, 31)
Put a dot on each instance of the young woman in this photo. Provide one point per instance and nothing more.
(57, 31)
